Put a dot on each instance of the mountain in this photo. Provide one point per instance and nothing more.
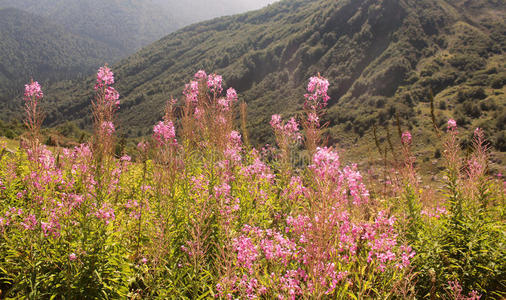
(34, 47)
(129, 25)
(66, 39)
(383, 59)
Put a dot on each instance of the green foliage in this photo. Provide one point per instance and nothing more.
(464, 242)
(11, 129)
(34, 47)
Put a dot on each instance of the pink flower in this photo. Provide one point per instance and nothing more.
(258, 170)
(52, 227)
(317, 93)
(107, 127)
(247, 252)
(313, 119)
(164, 133)
(295, 190)
(289, 129)
(231, 95)
(105, 213)
(235, 138)
(214, 83)
(29, 222)
(142, 146)
(72, 256)
(198, 113)
(201, 74)
(191, 91)
(33, 90)
(276, 121)
(231, 98)
(325, 162)
(292, 127)
(452, 124)
(456, 292)
(112, 97)
(222, 190)
(104, 76)
(406, 138)
(224, 104)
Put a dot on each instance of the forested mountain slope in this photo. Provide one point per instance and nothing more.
(382, 58)
(67, 39)
(130, 25)
(34, 47)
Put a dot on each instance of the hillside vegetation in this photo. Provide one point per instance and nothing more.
(34, 47)
(383, 59)
(64, 40)
(130, 25)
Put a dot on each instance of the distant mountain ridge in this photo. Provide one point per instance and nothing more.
(34, 47)
(129, 25)
(51, 40)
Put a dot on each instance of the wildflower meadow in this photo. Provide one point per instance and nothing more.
(198, 212)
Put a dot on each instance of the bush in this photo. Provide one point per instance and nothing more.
(461, 239)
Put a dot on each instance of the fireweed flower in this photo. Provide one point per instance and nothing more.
(457, 291)
(234, 147)
(112, 97)
(107, 128)
(452, 125)
(33, 90)
(406, 138)
(191, 92)
(235, 138)
(295, 189)
(317, 97)
(105, 213)
(258, 170)
(276, 121)
(226, 103)
(231, 95)
(325, 162)
(214, 83)
(142, 146)
(52, 227)
(104, 77)
(29, 222)
(313, 119)
(201, 74)
(290, 129)
(435, 212)
(164, 133)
